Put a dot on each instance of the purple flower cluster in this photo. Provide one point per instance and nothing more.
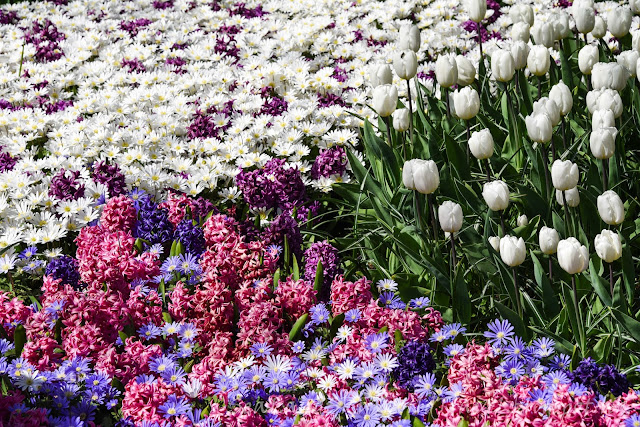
(332, 161)
(55, 107)
(414, 360)
(132, 27)
(226, 42)
(191, 236)
(273, 186)
(111, 176)
(600, 379)
(65, 268)
(329, 99)
(153, 222)
(176, 64)
(284, 225)
(273, 104)
(203, 126)
(45, 38)
(162, 5)
(134, 65)
(65, 185)
(7, 18)
(7, 162)
(239, 9)
(201, 208)
(485, 35)
(328, 255)
(308, 213)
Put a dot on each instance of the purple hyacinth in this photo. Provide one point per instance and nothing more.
(203, 125)
(56, 107)
(65, 185)
(308, 213)
(66, 268)
(191, 236)
(45, 37)
(162, 5)
(132, 27)
(600, 379)
(153, 223)
(7, 162)
(332, 161)
(273, 104)
(111, 176)
(284, 225)
(328, 255)
(7, 18)
(273, 186)
(415, 359)
(176, 63)
(329, 99)
(201, 208)
(134, 65)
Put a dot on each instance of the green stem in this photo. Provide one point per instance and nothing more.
(410, 121)
(515, 284)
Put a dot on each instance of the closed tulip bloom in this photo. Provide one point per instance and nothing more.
(494, 241)
(572, 195)
(549, 107)
(512, 250)
(608, 246)
(450, 216)
(380, 74)
(548, 239)
(585, 18)
(572, 256)
(602, 119)
(629, 60)
(538, 60)
(564, 174)
(421, 175)
(638, 70)
(561, 25)
(521, 31)
(466, 71)
(477, 9)
(520, 52)
(635, 40)
(401, 119)
(481, 144)
(385, 100)
(503, 66)
(466, 103)
(587, 58)
(521, 13)
(610, 208)
(619, 21)
(635, 6)
(496, 195)
(405, 63)
(544, 33)
(446, 71)
(539, 128)
(409, 38)
(603, 142)
(600, 28)
(604, 99)
(609, 75)
(522, 221)
(561, 95)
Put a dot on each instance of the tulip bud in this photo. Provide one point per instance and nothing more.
(609, 75)
(385, 100)
(520, 52)
(550, 108)
(585, 18)
(619, 21)
(521, 13)
(600, 28)
(587, 58)
(604, 99)
(512, 250)
(548, 240)
(446, 71)
(409, 38)
(466, 71)
(401, 119)
(477, 9)
(421, 175)
(602, 119)
(561, 25)
(608, 246)
(481, 144)
(466, 103)
(522, 221)
(494, 241)
(564, 174)
(629, 60)
(572, 256)
(635, 40)
(610, 208)
(450, 216)
(405, 63)
(539, 128)
(544, 34)
(538, 60)
(603, 142)
(635, 6)
(503, 66)
(521, 31)
(380, 74)
(496, 195)
(561, 95)
(572, 195)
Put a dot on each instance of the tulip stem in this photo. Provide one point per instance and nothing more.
(453, 251)
(432, 214)
(564, 143)
(416, 203)
(468, 138)
(389, 124)
(566, 212)
(539, 87)
(410, 120)
(504, 229)
(587, 79)
(611, 278)
(446, 96)
(488, 171)
(577, 308)
(605, 178)
(545, 160)
(550, 269)
(515, 285)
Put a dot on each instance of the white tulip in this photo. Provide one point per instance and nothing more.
(477, 9)
(608, 245)
(619, 21)
(547, 106)
(564, 174)
(496, 195)
(585, 18)
(603, 142)
(520, 52)
(521, 13)
(539, 128)
(572, 256)
(629, 60)
(512, 250)
(466, 71)
(401, 119)
(446, 71)
(581, 4)
(380, 74)
(466, 102)
(385, 100)
(421, 175)
(521, 31)
(587, 58)
(481, 144)
(561, 95)
(635, 40)
(494, 241)
(600, 28)
(609, 75)
(605, 99)
(635, 6)
(538, 60)
(450, 216)
(572, 195)
(610, 208)
(561, 25)
(405, 63)
(602, 119)
(522, 220)
(409, 38)
(503, 66)
(544, 34)
(548, 239)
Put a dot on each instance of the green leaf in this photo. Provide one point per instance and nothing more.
(189, 365)
(298, 326)
(172, 252)
(19, 339)
(549, 298)
(336, 322)
(574, 319)
(296, 269)
(397, 336)
(630, 324)
(461, 298)
(514, 319)
(276, 278)
(599, 285)
(417, 422)
(166, 317)
(319, 279)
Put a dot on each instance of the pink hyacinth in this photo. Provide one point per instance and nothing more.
(119, 214)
